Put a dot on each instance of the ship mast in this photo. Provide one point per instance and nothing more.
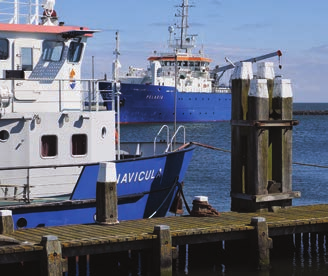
(184, 22)
(186, 42)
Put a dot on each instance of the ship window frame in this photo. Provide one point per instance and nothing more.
(52, 50)
(79, 144)
(49, 146)
(27, 58)
(75, 50)
(4, 49)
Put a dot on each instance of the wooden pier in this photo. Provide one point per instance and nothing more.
(262, 220)
(53, 248)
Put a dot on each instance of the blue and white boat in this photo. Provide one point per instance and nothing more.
(177, 86)
(54, 133)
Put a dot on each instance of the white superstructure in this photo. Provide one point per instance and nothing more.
(47, 131)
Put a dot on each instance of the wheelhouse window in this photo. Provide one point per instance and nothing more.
(79, 144)
(4, 49)
(49, 146)
(75, 51)
(27, 59)
(52, 50)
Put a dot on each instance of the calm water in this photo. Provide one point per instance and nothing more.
(209, 175)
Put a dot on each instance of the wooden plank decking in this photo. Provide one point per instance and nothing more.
(138, 234)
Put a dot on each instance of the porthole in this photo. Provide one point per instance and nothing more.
(4, 135)
(103, 132)
(21, 223)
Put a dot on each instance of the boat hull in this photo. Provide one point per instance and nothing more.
(141, 103)
(146, 188)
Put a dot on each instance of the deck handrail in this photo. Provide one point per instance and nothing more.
(90, 95)
(169, 146)
(159, 132)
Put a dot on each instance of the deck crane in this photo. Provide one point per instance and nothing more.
(222, 69)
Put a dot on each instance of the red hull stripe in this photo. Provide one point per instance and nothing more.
(29, 28)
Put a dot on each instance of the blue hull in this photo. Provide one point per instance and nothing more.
(145, 187)
(142, 103)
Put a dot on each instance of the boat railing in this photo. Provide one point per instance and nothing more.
(173, 139)
(96, 98)
(20, 11)
(158, 134)
(62, 94)
(21, 191)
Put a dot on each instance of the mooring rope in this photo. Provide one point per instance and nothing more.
(224, 150)
(175, 184)
(209, 147)
(184, 199)
(310, 165)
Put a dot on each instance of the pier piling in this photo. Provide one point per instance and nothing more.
(6, 222)
(262, 243)
(282, 109)
(240, 87)
(52, 262)
(261, 146)
(162, 262)
(258, 139)
(106, 194)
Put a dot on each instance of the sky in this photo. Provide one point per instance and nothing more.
(237, 29)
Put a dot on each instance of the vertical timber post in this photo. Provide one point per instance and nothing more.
(261, 243)
(282, 104)
(241, 77)
(51, 263)
(6, 222)
(265, 70)
(106, 194)
(258, 103)
(258, 142)
(162, 264)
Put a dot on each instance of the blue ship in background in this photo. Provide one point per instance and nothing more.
(142, 103)
(178, 86)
